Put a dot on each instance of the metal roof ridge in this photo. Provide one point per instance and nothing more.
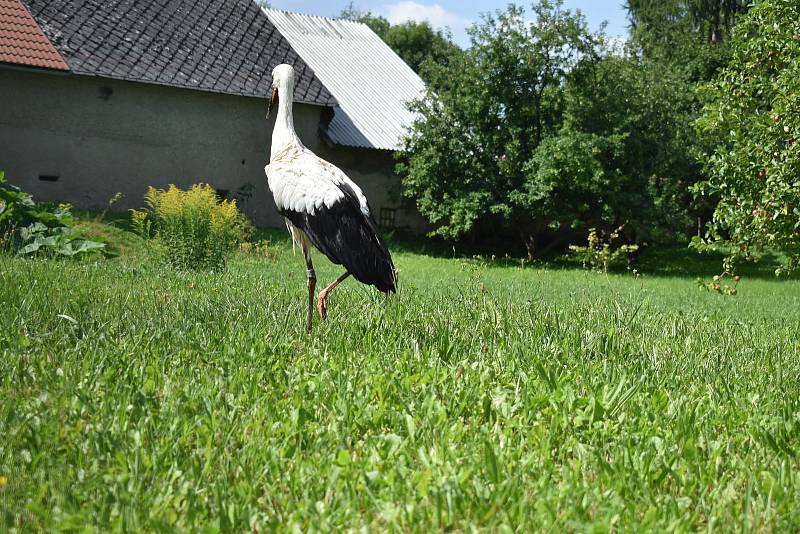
(287, 12)
(337, 20)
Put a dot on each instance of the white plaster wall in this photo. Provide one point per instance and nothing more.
(373, 171)
(143, 134)
(140, 135)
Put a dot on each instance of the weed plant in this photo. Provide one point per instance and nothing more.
(191, 229)
(602, 251)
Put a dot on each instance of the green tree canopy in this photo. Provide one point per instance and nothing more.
(753, 116)
(641, 112)
(541, 130)
(491, 109)
(688, 34)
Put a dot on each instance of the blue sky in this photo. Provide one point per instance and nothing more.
(457, 14)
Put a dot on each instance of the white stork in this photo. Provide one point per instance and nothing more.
(322, 205)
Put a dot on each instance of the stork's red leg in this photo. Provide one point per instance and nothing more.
(322, 304)
(312, 284)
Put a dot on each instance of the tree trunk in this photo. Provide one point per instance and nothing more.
(530, 244)
(557, 241)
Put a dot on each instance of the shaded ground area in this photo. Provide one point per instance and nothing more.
(673, 260)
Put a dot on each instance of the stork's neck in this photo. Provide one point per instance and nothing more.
(284, 133)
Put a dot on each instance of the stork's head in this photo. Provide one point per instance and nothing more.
(282, 81)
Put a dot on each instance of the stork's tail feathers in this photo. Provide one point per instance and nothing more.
(384, 276)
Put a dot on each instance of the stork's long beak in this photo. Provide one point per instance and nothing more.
(273, 102)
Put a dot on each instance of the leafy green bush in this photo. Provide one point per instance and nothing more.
(28, 228)
(600, 253)
(191, 229)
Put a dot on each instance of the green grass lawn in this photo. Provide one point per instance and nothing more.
(482, 396)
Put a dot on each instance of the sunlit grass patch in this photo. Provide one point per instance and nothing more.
(485, 396)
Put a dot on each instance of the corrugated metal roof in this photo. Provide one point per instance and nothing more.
(22, 41)
(370, 82)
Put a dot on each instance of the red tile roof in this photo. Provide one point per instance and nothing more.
(22, 41)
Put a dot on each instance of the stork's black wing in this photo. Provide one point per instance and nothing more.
(348, 237)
